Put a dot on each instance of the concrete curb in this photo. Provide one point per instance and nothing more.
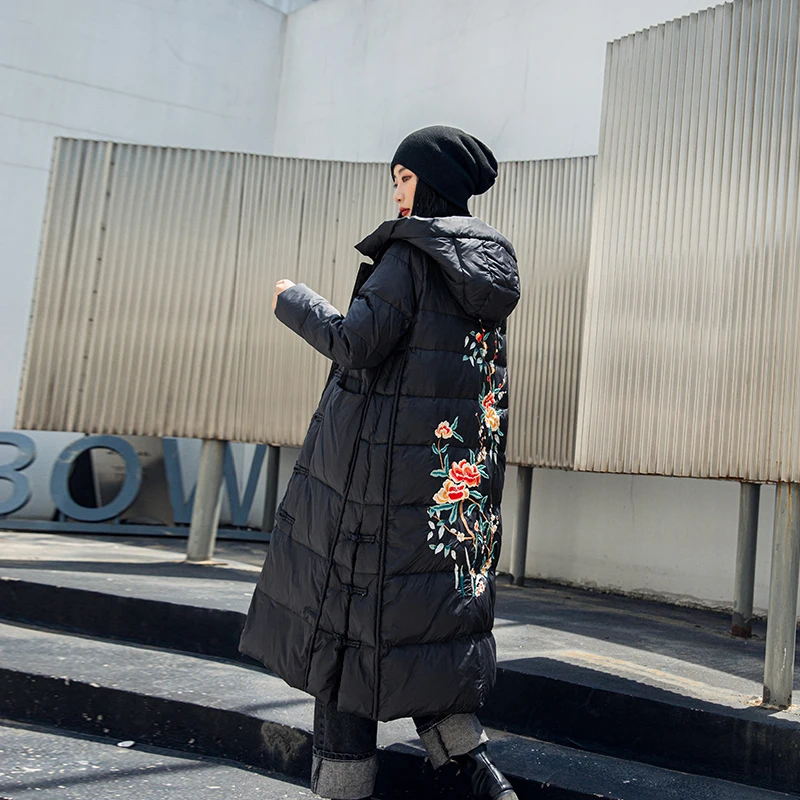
(664, 729)
(544, 771)
(219, 733)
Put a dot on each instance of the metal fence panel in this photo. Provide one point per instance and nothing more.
(692, 333)
(544, 207)
(152, 311)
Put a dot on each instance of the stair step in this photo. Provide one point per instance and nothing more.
(214, 708)
(56, 765)
(538, 694)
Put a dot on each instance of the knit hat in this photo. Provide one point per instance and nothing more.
(454, 163)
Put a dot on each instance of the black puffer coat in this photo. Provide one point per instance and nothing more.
(378, 586)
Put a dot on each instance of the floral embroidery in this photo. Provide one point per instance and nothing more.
(492, 419)
(445, 431)
(464, 472)
(459, 518)
(451, 492)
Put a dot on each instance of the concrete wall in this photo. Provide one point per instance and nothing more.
(286, 6)
(669, 538)
(200, 74)
(525, 76)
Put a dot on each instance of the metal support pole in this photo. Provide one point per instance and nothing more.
(519, 544)
(207, 502)
(783, 587)
(271, 491)
(742, 623)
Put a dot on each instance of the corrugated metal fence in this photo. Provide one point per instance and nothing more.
(152, 310)
(692, 336)
(545, 208)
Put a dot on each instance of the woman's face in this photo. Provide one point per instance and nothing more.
(405, 184)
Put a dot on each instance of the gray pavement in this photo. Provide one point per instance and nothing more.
(605, 639)
(578, 668)
(58, 766)
(203, 681)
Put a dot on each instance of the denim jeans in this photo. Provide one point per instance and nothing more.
(345, 762)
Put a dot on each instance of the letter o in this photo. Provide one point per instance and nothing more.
(59, 479)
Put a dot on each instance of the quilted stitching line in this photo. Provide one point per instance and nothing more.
(338, 531)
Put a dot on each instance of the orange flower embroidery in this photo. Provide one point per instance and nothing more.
(492, 419)
(451, 492)
(444, 431)
(488, 401)
(464, 472)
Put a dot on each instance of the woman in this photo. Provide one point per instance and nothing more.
(377, 593)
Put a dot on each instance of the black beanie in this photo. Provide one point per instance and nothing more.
(452, 162)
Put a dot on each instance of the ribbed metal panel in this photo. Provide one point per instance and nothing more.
(152, 314)
(692, 334)
(544, 207)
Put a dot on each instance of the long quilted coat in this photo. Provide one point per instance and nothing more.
(378, 587)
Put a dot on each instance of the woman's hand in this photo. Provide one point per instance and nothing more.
(279, 287)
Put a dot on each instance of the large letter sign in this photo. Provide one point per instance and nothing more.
(59, 480)
(12, 472)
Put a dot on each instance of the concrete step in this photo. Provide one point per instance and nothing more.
(660, 718)
(214, 708)
(56, 765)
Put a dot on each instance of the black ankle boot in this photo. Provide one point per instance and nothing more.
(486, 781)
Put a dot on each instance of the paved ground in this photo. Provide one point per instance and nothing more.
(604, 655)
(55, 766)
(623, 642)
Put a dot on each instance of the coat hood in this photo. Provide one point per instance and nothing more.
(478, 263)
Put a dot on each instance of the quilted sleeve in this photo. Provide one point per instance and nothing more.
(379, 315)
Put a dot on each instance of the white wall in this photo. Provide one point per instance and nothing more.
(286, 6)
(524, 75)
(190, 73)
(672, 538)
